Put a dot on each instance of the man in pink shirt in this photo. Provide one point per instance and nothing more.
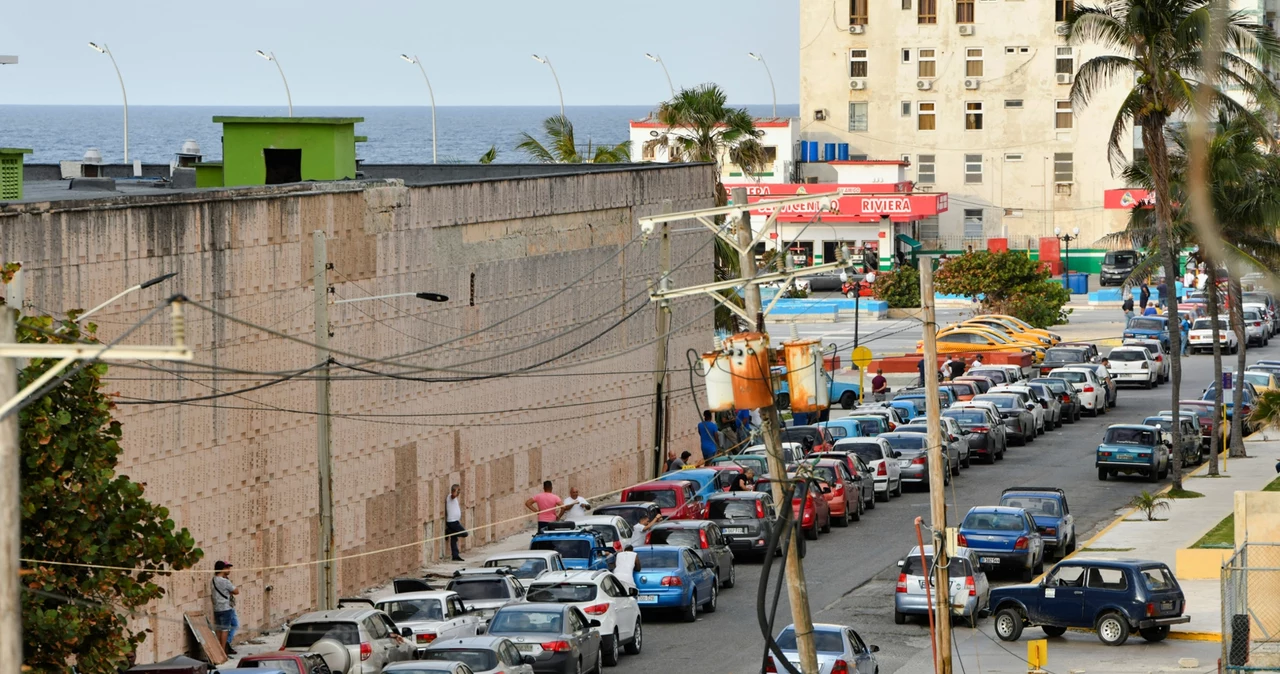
(546, 504)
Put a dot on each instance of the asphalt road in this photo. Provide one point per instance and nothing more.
(851, 572)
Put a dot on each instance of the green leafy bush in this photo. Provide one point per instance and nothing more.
(1010, 283)
(901, 288)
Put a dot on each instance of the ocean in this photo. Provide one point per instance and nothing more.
(396, 134)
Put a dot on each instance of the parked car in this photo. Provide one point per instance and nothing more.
(1068, 397)
(1116, 266)
(1017, 413)
(882, 459)
(436, 667)
(527, 564)
(961, 390)
(1012, 373)
(845, 427)
(842, 393)
(288, 663)
(1133, 448)
(920, 397)
(1093, 396)
(579, 548)
(810, 508)
(1158, 353)
(1113, 597)
(984, 431)
(351, 640)
(612, 528)
(791, 451)
(674, 577)
(1049, 401)
(1062, 356)
(1262, 380)
(485, 590)
(1188, 435)
(560, 638)
(1200, 339)
(602, 597)
(839, 649)
(1134, 365)
(1249, 400)
(1108, 382)
(676, 499)
(1003, 538)
(1048, 508)
(1206, 418)
(956, 443)
(810, 438)
(913, 457)
(757, 462)
(704, 538)
(970, 589)
(1257, 328)
(440, 614)
(484, 655)
(1031, 400)
(859, 469)
(631, 511)
(704, 480)
(843, 493)
(982, 383)
(747, 519)
(1149, 327)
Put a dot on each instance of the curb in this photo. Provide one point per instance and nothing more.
(1195, 636)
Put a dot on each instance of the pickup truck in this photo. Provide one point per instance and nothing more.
(1047, 507)
(843, 393)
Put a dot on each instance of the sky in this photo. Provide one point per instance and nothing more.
(477, 52)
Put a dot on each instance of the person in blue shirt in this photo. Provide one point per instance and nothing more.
(744, 423)
(1186, 333)
(709, 434)
(1150, 311)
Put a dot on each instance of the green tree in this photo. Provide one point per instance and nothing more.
(900, 288)
(76, 509)
(1009, 283)
(562, 147)
(1149, 504)
(489, 155)
(1157, 45)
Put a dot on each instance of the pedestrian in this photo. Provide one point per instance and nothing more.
(545, 504)
(1151, 311)
(709, 435)
(453, 521)
(674, 462)
(968, 249)
(625, 566)
(1127, 307)
(642, 526)
(920, 367)
(574, 506)
(1201, 278)
(225, 621)
(1188, 282)
(1185, 328)
(879, 385)
(977, 361)
(1144, 297)
(744, 424)
(728, 434)
(957, 368)
(1163, 291)
(745, 481)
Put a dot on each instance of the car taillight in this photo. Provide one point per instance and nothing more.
(1021, 543)
(919, 461)
(769, 667)
(962, 541)
(1257, 325)
(968, 584)
(892, 425)
(596, 609)
(1066, 397)
(840, 667)
(1088, 389)
(617, 546)
(759, 510)
(648, 538)
(881, 470)
(980, 429)
(1051, 531)
(702, 539)
(425, 637)
(672, 581)
(1159, 359)
(557, 646)
(366, 650)
(1144, 365)
(902, 583)
(1151, 609)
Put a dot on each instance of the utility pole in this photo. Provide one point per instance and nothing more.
(326, 587)
(797, 591)
(939, 466)
(660, 420)
(10, 505)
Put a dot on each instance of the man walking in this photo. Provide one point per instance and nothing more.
(225, 621)
(879, 385)
(545, 504)
(1144, 297)
(574, 507)
(453, 528)
(709, 434)
(920, 367)
(1163, 291)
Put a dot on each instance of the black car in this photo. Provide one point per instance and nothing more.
(631, 511)
(1072, 410)
(1061, 356)
(985, 432)
(534, 626)
(706, 539)
(827, 281)
(1116, 266)
(747, 520)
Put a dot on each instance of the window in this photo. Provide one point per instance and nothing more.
(906, 4)
(858, 115)
(972, 169)
(927, 11)
(973, 62)
(906, 56)
(973, 223)
(857, 63)
(925, 113)
(973, 116)
(906, 159)
(1063, 116)
(964, 11)
(927, 65)
(1017, 50)
(1106, 579)
(928, 230)
(1013, 104)
(647, 152)
(1065, 62)
(925, 168)
(1063, 167)
(1062, 9)
(770, 154)
(858, 12)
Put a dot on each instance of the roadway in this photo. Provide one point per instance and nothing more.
(851, 572)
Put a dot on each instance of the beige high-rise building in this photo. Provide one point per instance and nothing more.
(975, 94)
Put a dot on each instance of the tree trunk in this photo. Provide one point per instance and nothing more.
(1215, 443)
(1237, 398)
(1158, 156)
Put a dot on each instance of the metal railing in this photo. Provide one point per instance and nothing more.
(1251, 609)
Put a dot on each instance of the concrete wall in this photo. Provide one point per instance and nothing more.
(240, 471)
(1257, 517)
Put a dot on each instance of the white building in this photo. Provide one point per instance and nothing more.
(649, 142)
(974, 94)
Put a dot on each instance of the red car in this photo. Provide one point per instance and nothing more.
(727, 473)
(290, 663)
(677, 499)
(842, 493)
(814, 514)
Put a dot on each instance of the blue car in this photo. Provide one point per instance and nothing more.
(705, 478)
(1048, 509)
(847, 427)
(578, 548)
(1004, 539)
(1133, 449)
(1229, 398)
(842, 393)
(675, 577)
(1148, 327)
(912, 407)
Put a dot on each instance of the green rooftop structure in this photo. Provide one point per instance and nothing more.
(11, 172)
(275, 150)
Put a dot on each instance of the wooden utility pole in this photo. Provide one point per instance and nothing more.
(10, 506)
(326, 585)
(939, 467)
(660, 420)
(770, 428)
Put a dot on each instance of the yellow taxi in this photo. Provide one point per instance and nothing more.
(1026, 327)
(1262, 380)
(1008, 328)
(954, 339)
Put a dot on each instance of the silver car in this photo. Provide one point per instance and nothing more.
(957, 439)
(439, 667)
(431, 615)
(527, 564)
(484, 655)
(838, 646)
(912, 457)
(970, 590)
(486, 590)
(351, 640)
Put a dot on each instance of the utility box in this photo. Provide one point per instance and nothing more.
(11, 172)
(279, 150)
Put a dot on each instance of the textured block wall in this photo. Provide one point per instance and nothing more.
(240, 470)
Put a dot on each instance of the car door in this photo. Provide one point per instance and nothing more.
(865, 662)
(398, 647)
(722, 556)
(701, 577)
(1062, 597)
(1033, 534)
(379, 640)
(514, 662)
(626, 609)
(890, 464)
(590, 637)
(462, 623)
(1103, 586)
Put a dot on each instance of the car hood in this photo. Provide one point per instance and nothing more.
(1019, 592)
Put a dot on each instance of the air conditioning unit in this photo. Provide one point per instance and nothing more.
(966, 29)
(819, 115)
(857, 85)
(1061, 29)
(972, 83)
(1064, 78)
(924, 85)
(857, 29)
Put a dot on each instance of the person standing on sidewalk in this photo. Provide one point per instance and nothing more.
(453, 528)
(225, 621)
(574, 507)
(1127, 307)
(709, 434)
(1144, 297)
(545, 504)
(957, 367)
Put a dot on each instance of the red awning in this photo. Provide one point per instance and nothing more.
(856, 203)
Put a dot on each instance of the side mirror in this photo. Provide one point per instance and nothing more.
(594, 623)
(897, 454)
(826, 490)
(632, 592)
(873, 648)
(528, 660)
(1031, 406)
(406, 632)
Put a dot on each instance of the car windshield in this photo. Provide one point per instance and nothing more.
(996, 376)
(521, 568)
(869, 451)
(408, 610)
(825, 641)
(825, 473)
(1158, 579)
(516, 621)
(1120, 259)
(1002, 402)
(989, 521)
(1053, 384)
(731, 509)
(1064, 356)
(478, 660)
(607, 531)
(1129, 436)
(1034, 505)
(304, 635)
(962, 388)
(658, 559)
(1073, 377)
(561, 592)
(1258, 378)
(915, 442)
(629, 513)
(1207, 324)
(1128, 355)
(1139, 323)
(569, 548)
(665, 498)
(481, 588)
(967, 417)
(912, 566)
(1251, 316)
(1162, 424)
(685, 537)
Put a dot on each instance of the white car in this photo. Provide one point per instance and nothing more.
(485, 590)
(1265, 314)
(1134, 365)
(791, 451)
(1038, 412)
(1093, 395)
(438, 614)
(1256, 327)
(616, 531)
(1158, 354)
(1201, 336)
(880, 457)
(1012, 373)
(527, 564)
(601, 596)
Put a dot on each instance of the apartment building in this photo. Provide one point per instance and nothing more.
(975, 95)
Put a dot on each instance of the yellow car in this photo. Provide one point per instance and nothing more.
(1008, 328)
(1026, 327)
(968, 340)
(1262, 380)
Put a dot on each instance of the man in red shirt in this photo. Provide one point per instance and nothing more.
(545, 504)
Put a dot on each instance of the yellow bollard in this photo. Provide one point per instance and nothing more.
(1037, 654)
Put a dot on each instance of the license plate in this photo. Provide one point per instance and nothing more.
(989, 560)
(735, 530)
(647, 598)
(527, 648)
(1124, 457)
(1166, 606)
(903, 464)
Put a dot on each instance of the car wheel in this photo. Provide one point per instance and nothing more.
(1039, 569)
(843, 520)
(955, 468)
(811, 533)
(847, 400)
(1026, 574)
(1000, 456)
(857, 512)
(801, 547)
(1149, 385)
(1053, 630)
(899, 618)
(637, 640)
(578, 667)
(1008, 624)
(898, 491)
(690, 612)
(1113, 629)
(1071, 545)
(712, 602)
(1094, 412)
(733, 575)
(1153, 475)
(968, 460)
(609, 649)
(871, 502)
(1102, 474)
(1154, 634)
(886, 494)
(826, 528)
(784, 400)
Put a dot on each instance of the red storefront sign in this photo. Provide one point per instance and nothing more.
(1127, 199)
(855, 203)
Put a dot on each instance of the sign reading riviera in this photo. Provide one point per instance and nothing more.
(851, 203)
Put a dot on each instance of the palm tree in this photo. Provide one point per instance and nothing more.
(490, 155)
(1149, 504)
(1160, 42)
(562, 147)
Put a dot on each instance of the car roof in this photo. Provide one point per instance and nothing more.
(1003, 510)
(522, 554)
(663, 485)
(663, 547)
(1142, 427)
(572, 575)
(335, 615)
(421, 665)
(599, 519)
(680, 524)
(485, 641)
(540, 606)
(737, 496)
(627, 504)
(427, 594)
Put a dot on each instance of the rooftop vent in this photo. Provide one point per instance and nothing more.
(91, 164)
(189, 154)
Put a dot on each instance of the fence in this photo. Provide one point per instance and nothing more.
(959, 243)
(1251, 609)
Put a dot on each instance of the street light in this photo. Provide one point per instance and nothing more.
(658, 60)
(760, 58)
(417, 61)
(133, 288)
(1066, 239)
(547, 61)
(106, 50)
(271, 56)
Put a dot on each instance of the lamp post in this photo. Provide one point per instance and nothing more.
(133, 288)
(1066, 240)
(106, 50)
(547, 61)
(656, 58)
(271, 56)
(760, 58)
(418, 62)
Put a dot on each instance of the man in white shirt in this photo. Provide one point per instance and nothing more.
(453, 520)
(625, 566)
(639, 530)
(574, 507)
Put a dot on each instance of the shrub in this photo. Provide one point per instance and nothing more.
(1009, 283)
(901, 288)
